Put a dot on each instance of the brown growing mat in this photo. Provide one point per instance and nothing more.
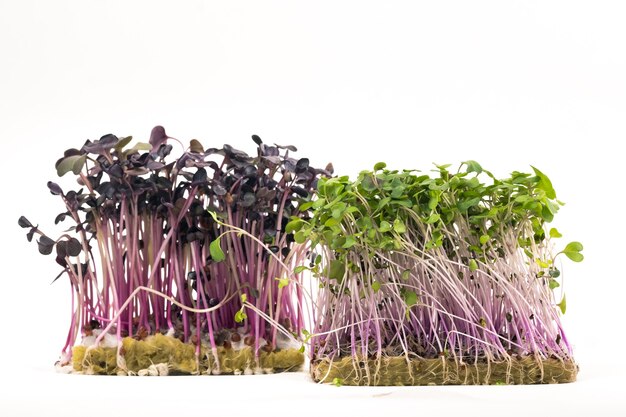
(178, 358)
(398, 370)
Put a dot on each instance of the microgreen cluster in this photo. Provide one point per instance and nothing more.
(192, 245)
(458, 265)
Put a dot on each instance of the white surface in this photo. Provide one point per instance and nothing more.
(295, 394)
(506, 83)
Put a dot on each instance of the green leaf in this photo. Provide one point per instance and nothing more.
(319, 203)
(464, 205)
(572, 251)
(243, 298)
(338, 242)
(305, 206)
(410, 298)
(139, 146)
(382, 203)
(337, 270)
(575, 256)
(338, 210)
(544, 183)
(563, 304)
(473, 266)
(404, 203)
(397, 192)
(331, 222)
(484, 239)
(555, 233)
(553, 284)
(301, 350)
(350, 241)
(385, 226)
(376, 286)
(215, 249)
(300, 237)
(299, 269)
(368, 183)
(379, 166)
(294, 225)
(434, 200)
(432, 218)
(573, 247)
(546, 214)
(406, 274)
(337, 382)
(121, 143)
(399, 226)
(542, 264)
(282, 282)
(473, 166)
(240, 316)
(72, 163)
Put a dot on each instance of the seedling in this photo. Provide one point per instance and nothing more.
(187, 247)
(449, 278)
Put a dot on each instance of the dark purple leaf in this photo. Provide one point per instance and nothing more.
(71, 152)
(235, 154)
(290, 165)
(271, 184)
(269, 150)
(101, 146)
(23, 222)
(272, 159)
(59, 218)
(45, 245)
(302, 165)
(154, 165)
(74, 247)
(289, 147)
(182, 161)
(199, 177)
(250, 171)
(157, 137)
(61, 261)
(257, 139)
(300, 191)
(30, 234)
(247, 200)
(61, 249)
(54, 188)
(115, 171)
(108, 140)
(164, 150)
(106, 189)
(219, 190)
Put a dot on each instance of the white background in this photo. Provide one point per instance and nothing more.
(508, 83)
